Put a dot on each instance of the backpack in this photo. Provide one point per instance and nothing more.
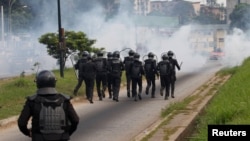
(164, 68)
(99, 65)
(116, 68)
(127, 62)
(81, 66)
(135, 70)
(148, 67)
(52, 118)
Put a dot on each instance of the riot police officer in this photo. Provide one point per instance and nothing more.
(136, 71)
(150, 72)
(127, 61)
(89, 74)
(174, 64)
(38, 107)
(101, 74)
(79, 66)
(109, 76)
(164, 70)
(116, 69)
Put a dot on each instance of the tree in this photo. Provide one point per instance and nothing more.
(208, 17)
(240, 17)
(75, 42)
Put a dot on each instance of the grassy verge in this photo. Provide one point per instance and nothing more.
(230, 105)
(14, 91)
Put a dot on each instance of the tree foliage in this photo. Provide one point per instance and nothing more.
(240, 17)
(74, 42)
(208, 17)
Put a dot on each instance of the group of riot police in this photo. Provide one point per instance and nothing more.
(106, 72)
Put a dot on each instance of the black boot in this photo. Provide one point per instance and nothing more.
(128, 94)
(161, 91)
(139, 96)
(147, 89)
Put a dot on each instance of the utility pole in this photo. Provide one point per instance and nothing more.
(61, 38)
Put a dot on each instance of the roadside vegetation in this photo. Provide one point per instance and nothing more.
(231, 103)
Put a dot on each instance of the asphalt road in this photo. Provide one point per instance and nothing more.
(121, 121)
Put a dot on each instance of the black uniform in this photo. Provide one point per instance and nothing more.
(89, 74)
(174, 64)
(101, 76)
(116, 69)
(136, 70)
(164, 69)
(109, 77)
(46, 96)
(78, 66)
(127, 61)
(150, 72)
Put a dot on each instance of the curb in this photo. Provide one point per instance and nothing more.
(180, 126)
(8, 121)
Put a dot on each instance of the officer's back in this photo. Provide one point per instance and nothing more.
(45, 106)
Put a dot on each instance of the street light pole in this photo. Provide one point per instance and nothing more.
(11, 2)
(60, 30)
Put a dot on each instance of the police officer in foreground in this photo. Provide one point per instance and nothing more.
(164, 69)
(101, 74)
(79, 66)
(127, 62)
(150, 72)
(116, 69)
(174, 64)
(136, 71)
(45, 106)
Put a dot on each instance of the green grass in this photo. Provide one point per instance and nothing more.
(230, 105)
(14, 91)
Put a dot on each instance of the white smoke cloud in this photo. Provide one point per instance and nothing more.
(120, 33)
(236, 48)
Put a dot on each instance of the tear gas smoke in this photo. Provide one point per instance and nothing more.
(115, 34)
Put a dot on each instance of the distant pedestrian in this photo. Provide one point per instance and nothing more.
(136, 70)
(101, 74)
(116, 69)
(53, 116)
(164, 69)
(79, 66)
(174, 64)
(150, 73)
(127, 61)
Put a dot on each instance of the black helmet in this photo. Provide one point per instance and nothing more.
(116, 54)
(164, 57)
(150, 54)
(170, 53)
(131, 53)
(100, 53)
(110, 54)
(136, 55)
(45, 78)
(85, 54)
